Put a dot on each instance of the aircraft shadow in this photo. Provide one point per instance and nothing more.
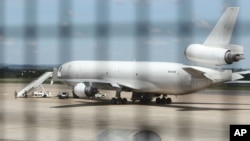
(95, 102)
(179, 106)
(193, 108)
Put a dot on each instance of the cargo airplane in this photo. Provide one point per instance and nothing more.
(147, 80)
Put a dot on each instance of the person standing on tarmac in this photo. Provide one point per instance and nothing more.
(15, 94)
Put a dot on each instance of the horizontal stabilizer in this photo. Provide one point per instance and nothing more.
(236, 76)
(239, 75)
(215, 76)
(243, 72)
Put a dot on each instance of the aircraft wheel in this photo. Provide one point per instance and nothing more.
(124, 101)
(113, 101)
(163, 101)
(118, 101)
(158, 100)
(168, 101)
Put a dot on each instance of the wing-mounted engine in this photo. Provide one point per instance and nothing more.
(81, 90)
(216, 55)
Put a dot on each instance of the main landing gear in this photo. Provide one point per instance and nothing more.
(118, 99)
(144, 98)
(163, 100)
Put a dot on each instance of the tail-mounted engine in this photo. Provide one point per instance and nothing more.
(82, 90)
(220, 55)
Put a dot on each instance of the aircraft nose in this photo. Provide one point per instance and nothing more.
(61, 70)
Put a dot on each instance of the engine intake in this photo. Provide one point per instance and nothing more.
(82, 90)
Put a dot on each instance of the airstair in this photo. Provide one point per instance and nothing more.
(37, 82)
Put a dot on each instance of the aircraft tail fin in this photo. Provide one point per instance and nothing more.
(221, 33)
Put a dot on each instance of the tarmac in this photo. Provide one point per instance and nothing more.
(203, 116)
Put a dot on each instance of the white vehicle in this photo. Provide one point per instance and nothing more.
(147, 80)
(63, 95)
(41, 94)
(100, 95)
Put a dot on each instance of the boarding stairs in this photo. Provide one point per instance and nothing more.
(35, 83)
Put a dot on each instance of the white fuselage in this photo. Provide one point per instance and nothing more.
(150, 77)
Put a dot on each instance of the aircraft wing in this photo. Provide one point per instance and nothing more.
(96, 82)
(108, 83)
(134, 84)
(127, 84)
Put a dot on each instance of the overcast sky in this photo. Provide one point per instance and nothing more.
(56, 31)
